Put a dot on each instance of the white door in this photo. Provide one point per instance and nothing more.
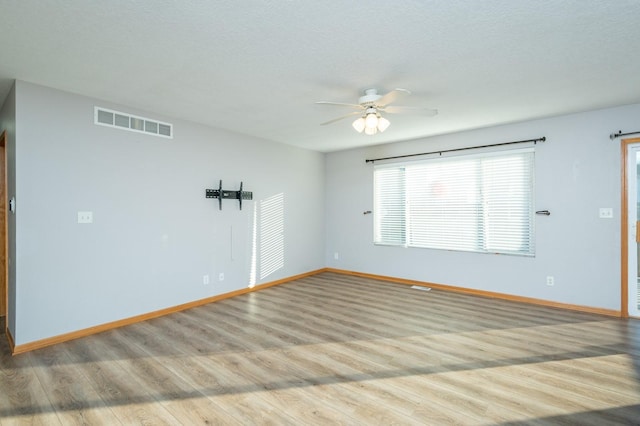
(633, 231)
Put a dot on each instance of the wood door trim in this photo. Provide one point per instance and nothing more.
(4, 232)
(624, 231)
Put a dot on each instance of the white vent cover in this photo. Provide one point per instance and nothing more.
(122, 120)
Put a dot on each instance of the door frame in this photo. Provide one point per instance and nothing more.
(624, 232)
(4, 227)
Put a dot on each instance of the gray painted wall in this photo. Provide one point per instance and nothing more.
(577, 172)
(154, 234)
(8, 123)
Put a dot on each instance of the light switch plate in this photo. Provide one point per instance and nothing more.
(85, 217)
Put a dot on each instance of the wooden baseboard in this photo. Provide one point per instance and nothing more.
(38, 344)
(12, 345)
(491, 294)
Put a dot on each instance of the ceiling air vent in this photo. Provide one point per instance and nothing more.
(122, 120)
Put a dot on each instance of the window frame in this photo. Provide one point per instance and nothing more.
(524, 219)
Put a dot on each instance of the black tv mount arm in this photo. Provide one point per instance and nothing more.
(234, 195)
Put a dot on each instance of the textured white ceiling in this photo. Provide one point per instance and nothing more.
(257, 67)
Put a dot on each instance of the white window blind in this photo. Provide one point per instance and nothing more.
(480, 203)
(390, 206)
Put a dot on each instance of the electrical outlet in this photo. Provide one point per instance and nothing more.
(606, 213)
(336, 255)
(550, 281)
(205, 279)
(85, 217)
(221, 276)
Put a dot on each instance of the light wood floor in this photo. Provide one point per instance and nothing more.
(335, 349)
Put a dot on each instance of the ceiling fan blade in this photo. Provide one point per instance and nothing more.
(428, 112)
(391, 97)
(351, 114)
(339, 104)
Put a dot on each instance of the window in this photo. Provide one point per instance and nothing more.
(481, 203)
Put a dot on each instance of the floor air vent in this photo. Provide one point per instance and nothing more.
(122, 120)
(419, 287)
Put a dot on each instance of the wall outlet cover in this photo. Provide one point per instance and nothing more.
(606, 213)
(85, 217)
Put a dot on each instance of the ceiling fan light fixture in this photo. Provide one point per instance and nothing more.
(371, 120)
(371, 123)
(359, 125)
(383, 123)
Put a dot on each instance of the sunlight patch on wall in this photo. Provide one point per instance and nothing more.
(271, 234)
(253, 273)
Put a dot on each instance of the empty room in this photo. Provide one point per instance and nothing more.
(408, 212)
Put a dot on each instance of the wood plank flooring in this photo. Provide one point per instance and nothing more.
(336, 349)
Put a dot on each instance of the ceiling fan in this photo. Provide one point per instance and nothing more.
(371, 105)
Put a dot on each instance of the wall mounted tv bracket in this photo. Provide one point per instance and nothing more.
(234, 195)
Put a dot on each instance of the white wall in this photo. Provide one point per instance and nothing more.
(154, 234)
(577, 172)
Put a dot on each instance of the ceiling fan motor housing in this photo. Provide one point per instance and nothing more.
(370, 97)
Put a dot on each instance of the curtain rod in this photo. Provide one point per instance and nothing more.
(535, 141)
(612, 136)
